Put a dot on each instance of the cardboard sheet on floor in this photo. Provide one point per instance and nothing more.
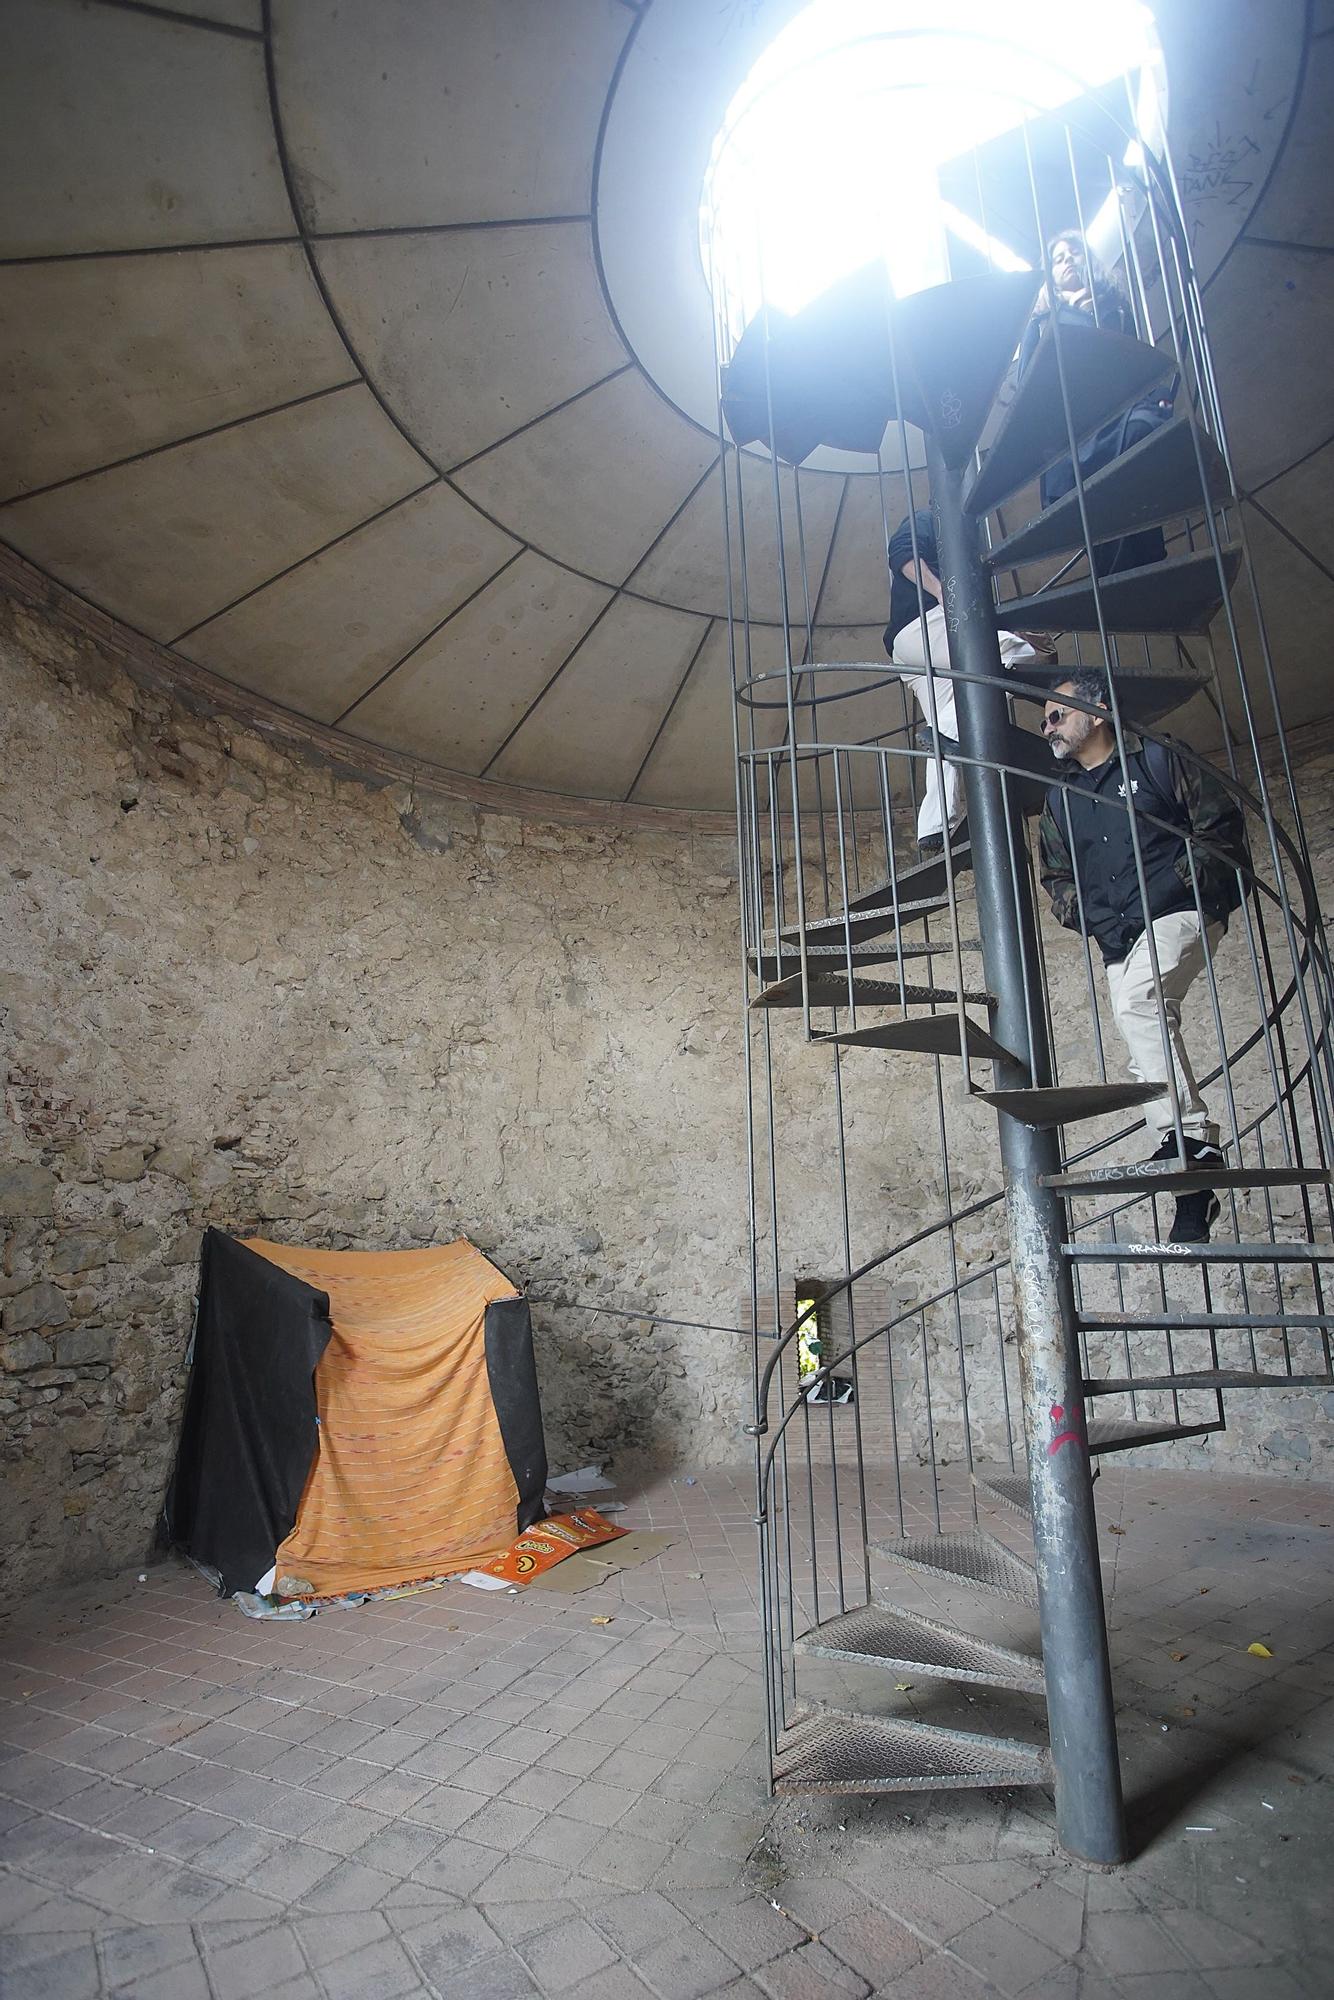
(592, 1567)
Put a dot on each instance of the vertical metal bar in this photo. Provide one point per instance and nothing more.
(1089, 1814)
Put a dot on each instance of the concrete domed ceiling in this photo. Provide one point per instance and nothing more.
(359, 356)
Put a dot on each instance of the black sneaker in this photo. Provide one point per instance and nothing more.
(1195, 1216)
(1196, 1212)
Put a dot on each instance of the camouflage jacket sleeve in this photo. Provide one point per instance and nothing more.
(1057, 870)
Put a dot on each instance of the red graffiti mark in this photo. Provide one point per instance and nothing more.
(1062, 1437)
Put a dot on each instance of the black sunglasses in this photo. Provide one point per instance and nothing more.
(1053, 717)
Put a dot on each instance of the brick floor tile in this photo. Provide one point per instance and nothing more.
(614, 1982)
(625, 1858)
(136, 1953)
(400, 1848)
(383, 1970)
(291, 1870)
(1009, 1957)
(632, 1922)
(811, 1972)
(685, 1966)
(632, 1769)
(927, 1902)
(48, 1966)
(348, 1886)
(1125, 1941)
(502, 1824)
(1053, 1914)
(688, 1781)
(566, 1955)
(252, 1965)
(577, 1756)
(460, 1938)
(561, 1840)
(542, 1788)
(940, 1976)
(460, 1866)
(487, 1774)
(596, 1803)
(238, 1852)
(503, 1976)
(446, 1808)
(344, 1828)
(752, 1931)
(873, 1944)
(655, 1818)
(1155, 1986)
(818, 1900)
(326, 1938)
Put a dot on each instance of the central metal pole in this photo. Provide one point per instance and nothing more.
(1090, 1820)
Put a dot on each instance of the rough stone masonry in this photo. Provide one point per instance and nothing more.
(242, 986)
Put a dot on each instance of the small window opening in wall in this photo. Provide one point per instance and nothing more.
(815, 1342)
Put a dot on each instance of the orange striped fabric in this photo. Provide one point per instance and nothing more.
(410, 1479)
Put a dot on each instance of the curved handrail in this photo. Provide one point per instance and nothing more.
(1309, 926)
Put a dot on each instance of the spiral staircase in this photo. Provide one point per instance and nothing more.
(867, 969)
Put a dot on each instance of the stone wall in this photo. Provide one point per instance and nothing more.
(251, 991)
(245, 987)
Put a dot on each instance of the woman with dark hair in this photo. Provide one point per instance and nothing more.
(1086, 293)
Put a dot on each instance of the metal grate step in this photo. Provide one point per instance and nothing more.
(870, 921)
(1219, 1322)
(1181, 594)
(1165, 1177)
(931, 1034)
(1117, 1434)
(1064, 1104)
(1103, 1252)
(1104, 374)
(828, 990)
(831, 1752)
(879, 1636)
(1202, 1378)
(1010, 1488)
(1154, 481)
(977, 1559)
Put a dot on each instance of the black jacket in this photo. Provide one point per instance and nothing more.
(908, 601)
(1085, 828)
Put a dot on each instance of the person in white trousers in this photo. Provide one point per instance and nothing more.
(917, 641)
(1191, 845)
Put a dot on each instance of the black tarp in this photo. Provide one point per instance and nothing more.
(250, 1428)
(512, 1372)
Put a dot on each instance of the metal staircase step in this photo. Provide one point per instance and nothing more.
(831, 1751)
(1104, 374)
(953, 344)
(872, 921)
(1154, 481)
(829, 990)
(977, 1559)
(1165, 1177)
(1010, 1488)
(1116, 1434)
(881, 1636)
(1065, 1104)
(929, 1034)
(1219, 1322)
(772, 966)
(1104, 1252)
(1182, 594)
(1202, 1378)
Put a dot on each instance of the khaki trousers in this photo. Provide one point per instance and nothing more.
(910, 652)
(1137, 1012)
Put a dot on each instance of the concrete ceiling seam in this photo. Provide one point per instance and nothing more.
(301, 562)
(1314, 452)
(1276, 243)
(172, 444)
(461, 464)
(187, 20)
(1288, 536)
(446, 228)
(308, 239)
(149, 249)
(426, 637)
(704, 636)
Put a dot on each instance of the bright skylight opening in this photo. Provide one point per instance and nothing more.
(830, 152)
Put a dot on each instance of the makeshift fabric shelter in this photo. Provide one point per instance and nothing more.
(354, 1418)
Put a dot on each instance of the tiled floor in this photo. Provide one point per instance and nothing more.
(491, 1798)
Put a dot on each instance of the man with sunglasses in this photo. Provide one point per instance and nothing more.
(1088, 868)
